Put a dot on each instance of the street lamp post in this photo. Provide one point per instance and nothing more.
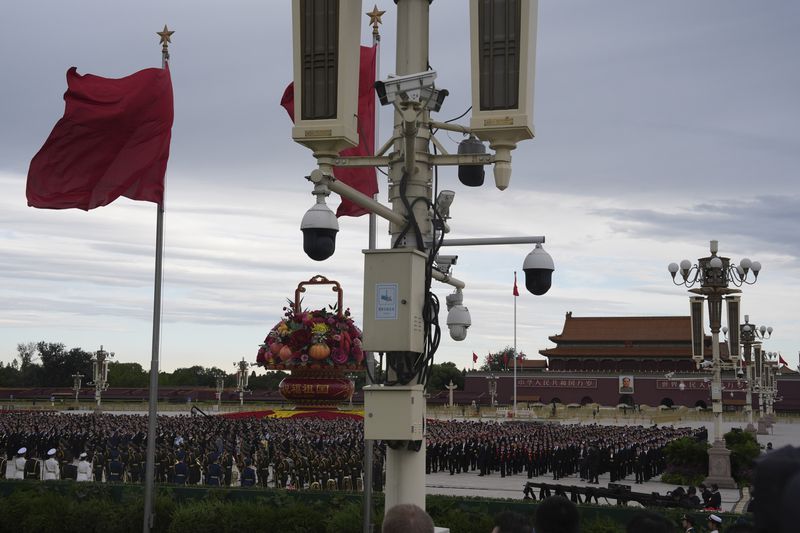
(242, 379)
(714, 274)
(492, 381)
(76, 386)
(750, 334)
(100, 361)
(220, 390)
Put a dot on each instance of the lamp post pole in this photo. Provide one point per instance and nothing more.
(76, 386)
(220, 389)
(749, 334)
(714, 274)
(100, 371)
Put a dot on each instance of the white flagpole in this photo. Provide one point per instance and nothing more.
(515, 345)
(152, 416)
(375, 19)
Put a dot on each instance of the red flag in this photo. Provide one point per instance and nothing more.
(505, 359)
(516, 291)
(112, 141)
(363, 179)
(474, 357)
(781, 361)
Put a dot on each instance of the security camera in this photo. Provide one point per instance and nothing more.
(319, 227)
(443, 202)
(408, 87)
(706, 364)
(444, 262)
(538, 267)
(740, 373)
(458, 319)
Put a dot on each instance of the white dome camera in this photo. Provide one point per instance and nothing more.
(458, 318)
(538, 267)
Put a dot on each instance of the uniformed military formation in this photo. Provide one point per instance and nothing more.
(294, 453)
(538, 449)
(313, 453)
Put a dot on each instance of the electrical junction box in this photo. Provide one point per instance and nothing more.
(394, 413)
(394, 294)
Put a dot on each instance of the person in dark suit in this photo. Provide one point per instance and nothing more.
(215, 473)
(181, 469)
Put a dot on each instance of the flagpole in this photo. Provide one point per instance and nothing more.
(152, 416)
(515, 343)
(375, 20)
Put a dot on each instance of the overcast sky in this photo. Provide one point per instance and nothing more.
(660, 126)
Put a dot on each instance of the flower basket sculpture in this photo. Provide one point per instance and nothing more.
(317, 347)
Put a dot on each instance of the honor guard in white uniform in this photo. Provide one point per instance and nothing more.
(51, 470)
(84, 469)
(19, 464)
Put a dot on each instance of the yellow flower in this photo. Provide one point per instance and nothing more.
(283, 328)
(319, 329)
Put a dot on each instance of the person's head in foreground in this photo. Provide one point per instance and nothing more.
(407, 518)
(556, 514)
(776, 491)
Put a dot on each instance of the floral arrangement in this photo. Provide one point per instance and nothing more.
(321, 338)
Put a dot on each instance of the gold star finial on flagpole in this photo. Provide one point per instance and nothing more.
(375, 18)
(165, 35)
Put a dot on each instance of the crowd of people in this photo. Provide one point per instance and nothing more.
(312, 453)
(537, 449)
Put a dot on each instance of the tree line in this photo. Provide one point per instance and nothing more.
(52, 364)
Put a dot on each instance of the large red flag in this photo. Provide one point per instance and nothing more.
(364, 179)
(112, 141)
(516, 291)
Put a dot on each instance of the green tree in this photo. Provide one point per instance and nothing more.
(502, 360)
(127, 375)
(30, 372)
(440, 375)
(58, 363)
(744, 451)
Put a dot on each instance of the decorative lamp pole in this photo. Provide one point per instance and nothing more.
(76, 386)
(450, 388)
(100, 373)
(750, 334)
(714, 274)
(242, 379)
(220, 390)
(492, 381)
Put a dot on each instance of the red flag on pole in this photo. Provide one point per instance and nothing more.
(505, 359)
(363, 179)
(474, 357)
(112, 141)
(781, 361)
(516, 291)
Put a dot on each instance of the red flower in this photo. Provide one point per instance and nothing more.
(299, 339)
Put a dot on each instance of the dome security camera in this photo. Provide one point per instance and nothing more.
(319, 227)
(538, 267)
(458, 317)
(740, 373)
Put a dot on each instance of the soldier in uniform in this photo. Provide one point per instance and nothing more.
(181, 469)
(33, 469)
(18, 471)
(249, 475)
(84, 468)
(116, 469)
(51, 470)
(215, 474)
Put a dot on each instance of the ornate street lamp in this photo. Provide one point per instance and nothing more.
(492, 381)
(76, 386)
(100, 373)
(242, 379)
(220, 390)
(750, 334)
(714, 275)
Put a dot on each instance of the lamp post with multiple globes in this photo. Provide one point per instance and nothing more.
(714, 275)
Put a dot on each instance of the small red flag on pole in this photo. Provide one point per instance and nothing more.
(516, 291)
(780, 359)
(474, 357)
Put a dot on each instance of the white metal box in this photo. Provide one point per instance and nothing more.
(326, 40)
(394, 294)
(394, 413)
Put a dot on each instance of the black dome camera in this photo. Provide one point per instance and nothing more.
(319, 227)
